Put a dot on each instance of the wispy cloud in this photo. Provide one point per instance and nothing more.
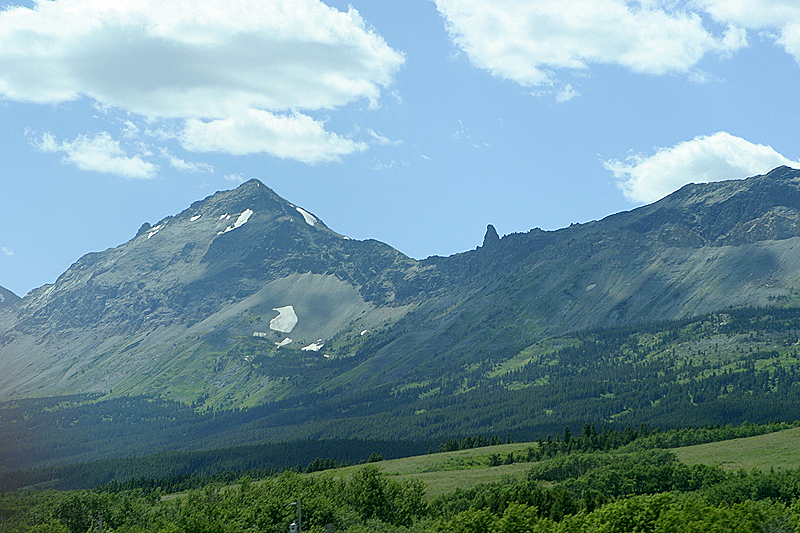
(185, 166)
(233, 73)
(7, 251)
(382, 139)
(705, 158)
(235, 178)
(566, 93)
(100, 153)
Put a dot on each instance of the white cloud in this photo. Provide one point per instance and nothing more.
(525, 41)
(100, 153)
(130, 130)
(705, 158)
(295, 136)
(235, 178)
(185, 166)
(390, 165)
(780, 15)
(566, 93)
(206, 60)
(382, 139)
(7, 251)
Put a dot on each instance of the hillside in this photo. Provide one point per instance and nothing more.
(245, 319)
(732, 367)
(173, 311)
(763, 452)
(7, 298)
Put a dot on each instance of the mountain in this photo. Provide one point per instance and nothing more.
(157, 311)
(703, 248)
(7, 298)
(245, 300)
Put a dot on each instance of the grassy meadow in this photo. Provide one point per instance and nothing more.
(779, 450)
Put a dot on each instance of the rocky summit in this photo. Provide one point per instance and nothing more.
(245, 298)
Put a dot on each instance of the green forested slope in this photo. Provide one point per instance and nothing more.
(729, 367)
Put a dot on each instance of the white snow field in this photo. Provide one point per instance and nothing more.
(285, 321)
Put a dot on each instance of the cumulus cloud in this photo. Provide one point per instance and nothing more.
(207, 61)
(295, 136)
(526, 41)
(780, 16)
(705, 158)
(100, 153)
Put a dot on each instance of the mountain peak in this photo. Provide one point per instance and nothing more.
(783, 172)
(491, 238)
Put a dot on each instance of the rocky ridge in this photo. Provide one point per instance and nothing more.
(7, 298)
(196, 306)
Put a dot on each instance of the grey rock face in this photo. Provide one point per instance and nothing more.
(7, 298)
(491, 238)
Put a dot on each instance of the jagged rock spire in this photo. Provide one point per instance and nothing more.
(491, 238)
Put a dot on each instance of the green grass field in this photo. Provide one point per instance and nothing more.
(779, 450)
(447, 471)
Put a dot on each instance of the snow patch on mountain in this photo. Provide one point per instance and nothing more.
(314, 346)
(285, 321)
(155, 230)
(308, 217)
(241, 221)
(196, 217)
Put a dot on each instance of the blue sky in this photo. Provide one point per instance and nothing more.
(416, 123)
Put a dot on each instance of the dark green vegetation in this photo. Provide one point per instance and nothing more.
(731, 367)
(593, 481)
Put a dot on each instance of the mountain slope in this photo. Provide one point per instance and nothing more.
(705, 247)
(7, 298)
(160, 308)
(245, 298)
